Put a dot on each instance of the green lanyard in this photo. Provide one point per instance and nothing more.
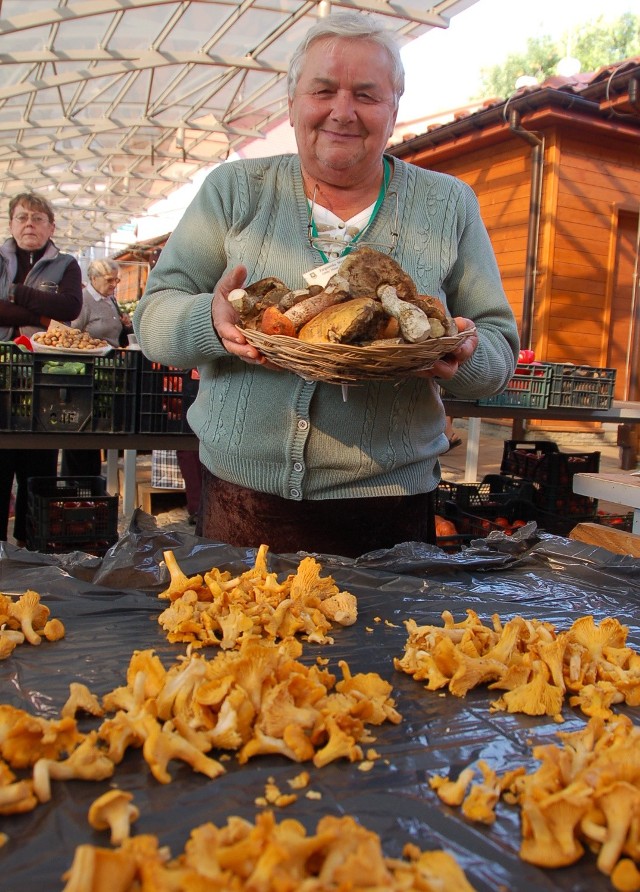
(376, 208)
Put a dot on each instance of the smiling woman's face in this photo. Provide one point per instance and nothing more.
(343, 110)
(30, 227)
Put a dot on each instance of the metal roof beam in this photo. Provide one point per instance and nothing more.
(94, 127)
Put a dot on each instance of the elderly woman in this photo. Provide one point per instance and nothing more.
(287, 462)
(101, 317)
(100, 314)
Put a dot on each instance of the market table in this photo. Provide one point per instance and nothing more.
(621, 412)
(131, 444)
(110, 609)
(623, 489)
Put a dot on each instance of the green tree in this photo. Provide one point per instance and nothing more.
(597, 43)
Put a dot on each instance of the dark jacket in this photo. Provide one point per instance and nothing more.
(33, 304)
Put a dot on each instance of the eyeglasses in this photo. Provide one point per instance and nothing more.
(36, 219)
(336, 247)
(111, 280)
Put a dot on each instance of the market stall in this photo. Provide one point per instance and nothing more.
(110, 608)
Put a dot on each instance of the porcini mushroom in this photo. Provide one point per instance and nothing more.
(414, 325)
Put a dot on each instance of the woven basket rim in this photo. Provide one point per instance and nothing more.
(352, 364)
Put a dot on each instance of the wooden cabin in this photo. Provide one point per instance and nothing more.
(556, 169)
(135, 261)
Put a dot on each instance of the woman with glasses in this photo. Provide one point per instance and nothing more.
(100, 314)
(101, 317)
(288, 462)
(38, 283)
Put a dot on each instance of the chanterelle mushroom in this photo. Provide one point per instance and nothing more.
(31, 615)
(114, 811)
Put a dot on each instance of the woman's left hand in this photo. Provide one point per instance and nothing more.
(447, 366)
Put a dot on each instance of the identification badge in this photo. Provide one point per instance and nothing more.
(321, 274)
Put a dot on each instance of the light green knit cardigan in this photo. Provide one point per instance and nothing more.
(273, 431)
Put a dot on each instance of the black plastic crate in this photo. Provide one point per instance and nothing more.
(556, 469)
(165, 395)
(562, 524)
(492, 492)
(528, 388)
(581, 386)
(516, 454)
(562, 500)
(70, 513)
(68, 393)
(500, 518)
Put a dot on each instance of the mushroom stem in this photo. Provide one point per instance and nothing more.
(414, 325)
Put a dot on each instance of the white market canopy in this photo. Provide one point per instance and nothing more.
(108, 106)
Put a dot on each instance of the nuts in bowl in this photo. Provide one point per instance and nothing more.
(61, 337)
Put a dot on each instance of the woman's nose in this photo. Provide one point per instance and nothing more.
(343, 106)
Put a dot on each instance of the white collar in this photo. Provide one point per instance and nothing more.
(95, 294)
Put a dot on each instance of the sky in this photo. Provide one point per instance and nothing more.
(443, 67)
(443, 71)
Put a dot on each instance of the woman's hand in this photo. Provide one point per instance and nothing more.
(447, 366)
(225, 318)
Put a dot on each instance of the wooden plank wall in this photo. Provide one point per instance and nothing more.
(594, 178)
(500, 176)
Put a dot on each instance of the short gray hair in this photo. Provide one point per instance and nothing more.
(103, 267)
(353, 26)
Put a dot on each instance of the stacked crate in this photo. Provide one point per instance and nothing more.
(165, 395)
(550, 474)
(68, 393)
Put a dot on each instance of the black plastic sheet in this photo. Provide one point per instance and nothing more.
(110, 609)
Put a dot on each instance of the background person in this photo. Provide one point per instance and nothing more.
(102, 318)
(100, 314)
(286, 461)
(38, 283)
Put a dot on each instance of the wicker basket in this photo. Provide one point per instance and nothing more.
(347, 364)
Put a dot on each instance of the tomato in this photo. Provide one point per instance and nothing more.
(445, 527)
(526, 356)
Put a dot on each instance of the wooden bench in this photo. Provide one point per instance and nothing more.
(617, 541)
(146, 492)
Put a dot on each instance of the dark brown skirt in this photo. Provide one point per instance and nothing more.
(348, 527)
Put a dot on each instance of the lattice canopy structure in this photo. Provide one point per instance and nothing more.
(107, 106)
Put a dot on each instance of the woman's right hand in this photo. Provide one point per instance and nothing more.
(225, 318)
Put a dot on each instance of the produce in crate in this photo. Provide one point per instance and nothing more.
(370, 300)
